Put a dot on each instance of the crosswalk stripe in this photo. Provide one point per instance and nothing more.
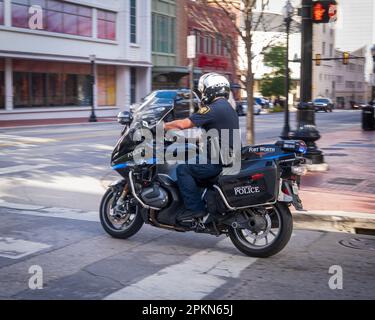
(202, 272)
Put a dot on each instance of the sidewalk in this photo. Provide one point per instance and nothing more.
(349, 185)
(47, 122)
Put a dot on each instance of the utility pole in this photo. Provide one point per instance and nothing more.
(307, 51)
(306, 127)
(191, 54)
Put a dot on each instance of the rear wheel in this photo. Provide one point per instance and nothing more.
(120, 220)
(267, 232)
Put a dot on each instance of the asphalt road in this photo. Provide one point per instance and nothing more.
(52, 179)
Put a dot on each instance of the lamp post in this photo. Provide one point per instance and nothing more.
(288, 11)
(373, 75)
(93, 95)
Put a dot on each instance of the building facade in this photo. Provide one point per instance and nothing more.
(50, 50)
(216, 40)
(356, 29)
(351, 85)
(324, 76)
(169, 32)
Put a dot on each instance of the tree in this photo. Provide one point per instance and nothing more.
(273, 83)
(247, 18)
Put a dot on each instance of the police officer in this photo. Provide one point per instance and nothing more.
(215, 113)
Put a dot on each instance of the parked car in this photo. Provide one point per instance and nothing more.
(242, 107)
(323, 104)
(263, 102)
(180, 98)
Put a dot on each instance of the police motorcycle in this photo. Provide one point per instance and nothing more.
(251, 207)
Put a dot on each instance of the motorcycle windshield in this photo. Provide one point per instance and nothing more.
(151, 112)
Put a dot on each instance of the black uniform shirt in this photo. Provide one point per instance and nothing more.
(218, 115)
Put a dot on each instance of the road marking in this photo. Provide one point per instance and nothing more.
(21, 168)
(51, 212)
(204, 272)
(16, 248)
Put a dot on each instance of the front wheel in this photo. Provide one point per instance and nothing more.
(120, 220)
(267, 232)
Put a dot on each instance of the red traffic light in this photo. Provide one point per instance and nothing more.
(324, 11)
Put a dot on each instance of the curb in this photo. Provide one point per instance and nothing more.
(335, 221)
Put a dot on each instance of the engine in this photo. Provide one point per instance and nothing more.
(155, 196)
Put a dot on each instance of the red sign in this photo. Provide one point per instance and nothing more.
(324, 11)
(318, 12)
(212, 62)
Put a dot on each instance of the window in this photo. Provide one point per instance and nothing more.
(228, 47)
(133, 21)
(1, 12)
(163, 33)
(331, 50)
(323, 48)
(39, 84)
(350, 84)
(107, 85)
(106, 25)
(198, 41)
(58, 16)
(207, 44)
(133, 85)
(219, 45)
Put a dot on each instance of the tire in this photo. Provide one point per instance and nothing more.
(107, 225)
(282, 239)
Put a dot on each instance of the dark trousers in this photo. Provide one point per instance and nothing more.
(186, 179)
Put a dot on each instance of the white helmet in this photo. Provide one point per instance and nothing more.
(212, 86)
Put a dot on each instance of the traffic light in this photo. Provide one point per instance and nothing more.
(345, 58)
(318, 59)
(324, 11)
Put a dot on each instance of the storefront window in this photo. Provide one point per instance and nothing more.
(106, 25)
(55, 96)
(1, 12)
(107, 85)
(58, 16)
(22, 94)
(38, 84)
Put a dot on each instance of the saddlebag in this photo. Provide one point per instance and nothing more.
(257, 183)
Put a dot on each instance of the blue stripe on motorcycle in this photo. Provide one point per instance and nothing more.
(119, 166)
(277, 156)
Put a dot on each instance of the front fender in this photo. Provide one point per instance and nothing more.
(119, 184)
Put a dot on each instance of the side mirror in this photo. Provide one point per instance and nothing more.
(125, 118)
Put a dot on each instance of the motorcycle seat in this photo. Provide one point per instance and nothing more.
(208, 182)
